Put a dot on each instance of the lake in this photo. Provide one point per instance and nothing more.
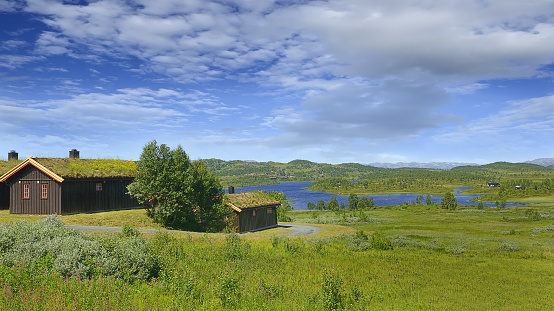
(299, 197)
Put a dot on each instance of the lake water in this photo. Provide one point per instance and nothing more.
(299, 197)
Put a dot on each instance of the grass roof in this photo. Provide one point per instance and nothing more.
(251, 199)
(5, 166)
(81, 168)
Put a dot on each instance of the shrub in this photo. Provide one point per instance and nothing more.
(381, 242)
(533, 214)
(234, 248)
(49, 245)
(509, 247)
(228, 290)
(332, 290)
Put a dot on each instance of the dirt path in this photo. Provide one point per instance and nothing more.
(296, 229)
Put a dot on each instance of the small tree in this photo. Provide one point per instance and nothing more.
(428, 200)
(320, 205)
(333, 204)
(352, 202)
(311, 205)
(176, 191)
(449, 201)
(162, 182)
(206, 196)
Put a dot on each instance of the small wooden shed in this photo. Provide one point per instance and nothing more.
(253, 210)
(69, 185)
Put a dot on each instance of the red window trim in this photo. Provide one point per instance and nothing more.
(98, 188)
(44, 191)
(26, 191)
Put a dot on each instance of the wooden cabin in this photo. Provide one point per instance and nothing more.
(253, 210)
(68, 186)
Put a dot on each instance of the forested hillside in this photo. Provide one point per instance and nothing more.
(356, 178)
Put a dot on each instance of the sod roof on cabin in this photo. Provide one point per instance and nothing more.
(250, 199)
(81, 168)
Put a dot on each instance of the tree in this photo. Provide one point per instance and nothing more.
(428, 200)
(176, 191)
(449, 201)
(162, 183)
(363, 203)
(320, 205)
(352, 202)
(206, 198)
(311, 205)
(333, 204)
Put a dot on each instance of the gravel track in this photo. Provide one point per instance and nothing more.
(296, 229)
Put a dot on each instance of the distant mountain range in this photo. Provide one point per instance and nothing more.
(436, 165)
(548, 162)
(542, 161)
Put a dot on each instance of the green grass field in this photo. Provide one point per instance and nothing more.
(491, 259)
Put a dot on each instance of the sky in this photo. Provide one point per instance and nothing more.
(331, 81)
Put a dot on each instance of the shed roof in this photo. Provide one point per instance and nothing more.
(72, 168)
(252, 199)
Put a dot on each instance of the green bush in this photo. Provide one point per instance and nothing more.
(228, 290)
(381, 242)
(332, 290)
(234, 248)
(49, 245)
(533, 214)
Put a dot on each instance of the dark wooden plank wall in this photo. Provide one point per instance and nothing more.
(4, 196)
(34, 204)
(247, 220)
(80, 196)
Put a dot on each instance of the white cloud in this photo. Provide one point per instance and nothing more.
(530, 118)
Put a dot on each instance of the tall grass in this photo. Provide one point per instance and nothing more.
(418, 260)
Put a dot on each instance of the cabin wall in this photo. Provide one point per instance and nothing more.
(35, 203)
(257, 218)
(81, 195)
(4, 196)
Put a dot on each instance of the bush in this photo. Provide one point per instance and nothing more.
(533, 214)
(49, 245)
(381, 242)
(332, 290)
(228, 290)
(234, 248)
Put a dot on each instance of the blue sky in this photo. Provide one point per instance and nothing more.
(328, 81)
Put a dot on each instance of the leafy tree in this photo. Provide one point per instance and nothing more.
(162, 183)
(206, 196)
(428, 200)
(176, 191)
(363, 203)
(342, 205)
(352, 202)
(480, 205)
(320, 205)
(449, 201)
(370, 202)
(311, 205)
(333, 204)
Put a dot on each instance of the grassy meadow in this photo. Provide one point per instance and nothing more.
(414, 258)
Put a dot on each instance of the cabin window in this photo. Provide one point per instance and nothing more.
(26, 194)
(269, 210)
(44, 191)
(254, 213)
(98, 186)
